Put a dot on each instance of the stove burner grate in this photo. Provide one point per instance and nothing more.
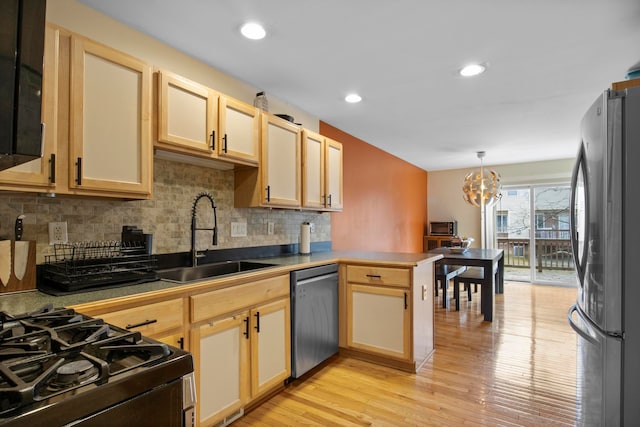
(73, 373)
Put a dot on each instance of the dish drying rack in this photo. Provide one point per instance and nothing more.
(81, 265)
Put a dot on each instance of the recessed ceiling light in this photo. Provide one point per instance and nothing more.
(472, 70)
(353, 98)
(253, 31)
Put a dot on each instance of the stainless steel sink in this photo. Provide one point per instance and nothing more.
(192, 274)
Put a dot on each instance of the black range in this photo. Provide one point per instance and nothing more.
(59, 367)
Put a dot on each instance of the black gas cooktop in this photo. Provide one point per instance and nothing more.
(58, 366)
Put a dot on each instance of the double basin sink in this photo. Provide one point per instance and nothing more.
(206, 271)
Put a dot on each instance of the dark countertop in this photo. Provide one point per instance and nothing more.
(21, 302)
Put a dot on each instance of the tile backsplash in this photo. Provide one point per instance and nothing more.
(167, 216)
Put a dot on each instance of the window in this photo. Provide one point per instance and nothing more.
(563, 221)
(502, 221)
(542, 222)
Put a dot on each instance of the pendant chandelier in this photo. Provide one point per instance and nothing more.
(481, 188)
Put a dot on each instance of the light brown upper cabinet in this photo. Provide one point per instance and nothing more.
(110, 120)
(96, 110)
(187, 115)
(196, 120)
(277, 182)
(239, 125)
(321, 172)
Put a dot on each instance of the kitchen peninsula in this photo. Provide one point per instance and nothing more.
(385, 315)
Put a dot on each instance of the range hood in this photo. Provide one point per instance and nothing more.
(22, 25)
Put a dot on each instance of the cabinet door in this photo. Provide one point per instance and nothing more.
(333, 174)
(41, 172)
(239, 131)
(379, 320)
(220, 352)
(313, 170)
(270, 346)
(280, 162)
(110, 147)
(187, 115)
(174, 340)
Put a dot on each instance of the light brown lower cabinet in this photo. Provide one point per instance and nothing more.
(163, 321)
(388, 314)
(221, 353)
(243, 355)
(380, 320)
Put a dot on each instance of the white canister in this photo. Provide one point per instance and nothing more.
(305, 238)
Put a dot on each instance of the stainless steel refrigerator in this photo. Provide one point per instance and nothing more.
(605, 230)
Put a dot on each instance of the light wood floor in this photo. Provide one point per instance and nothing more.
(518, 370)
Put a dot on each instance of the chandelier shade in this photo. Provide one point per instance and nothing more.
(481, 188)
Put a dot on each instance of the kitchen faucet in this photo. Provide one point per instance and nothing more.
(194, 253)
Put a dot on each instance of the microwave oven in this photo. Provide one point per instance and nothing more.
(443, 228)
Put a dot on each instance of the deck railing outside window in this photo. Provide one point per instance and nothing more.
(551, 253)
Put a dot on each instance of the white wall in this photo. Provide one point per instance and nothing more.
(81, 19)
(445, 201)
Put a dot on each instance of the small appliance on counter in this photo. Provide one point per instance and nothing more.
(80, 266)
(443, 228)
(60, 367)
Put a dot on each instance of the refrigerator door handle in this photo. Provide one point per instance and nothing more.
(579, 256)
(589, 334)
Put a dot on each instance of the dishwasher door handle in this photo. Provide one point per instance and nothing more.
(316, 279)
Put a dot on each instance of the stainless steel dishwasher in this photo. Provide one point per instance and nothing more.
(314, 317)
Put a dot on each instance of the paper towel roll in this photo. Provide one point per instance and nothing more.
(305, 238)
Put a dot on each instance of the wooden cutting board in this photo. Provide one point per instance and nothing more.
(26, 264)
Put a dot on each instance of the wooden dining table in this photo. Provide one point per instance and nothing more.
(490, 260)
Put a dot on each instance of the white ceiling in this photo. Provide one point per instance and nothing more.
(548, 61)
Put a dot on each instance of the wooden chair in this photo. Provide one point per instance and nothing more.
(444, 273)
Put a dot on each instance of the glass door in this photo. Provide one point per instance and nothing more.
(532, 227)
(551, 255)
(513, 232)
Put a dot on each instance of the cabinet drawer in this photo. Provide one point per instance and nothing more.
(215, 303)
(151, 319)
(379, 275)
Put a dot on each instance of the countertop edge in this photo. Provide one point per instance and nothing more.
(20, 302)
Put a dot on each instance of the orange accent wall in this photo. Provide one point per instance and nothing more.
(385, 199)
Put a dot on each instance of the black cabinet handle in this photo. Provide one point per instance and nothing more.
(213, 140)
(268, 193)
(406, 305)
(137, 325)
(329, 200)
(224, 143)
(257, 315)
(79, 171)
(52, 168)
(181, 343)
(246, 327)
(374, 276)
(324, 200)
